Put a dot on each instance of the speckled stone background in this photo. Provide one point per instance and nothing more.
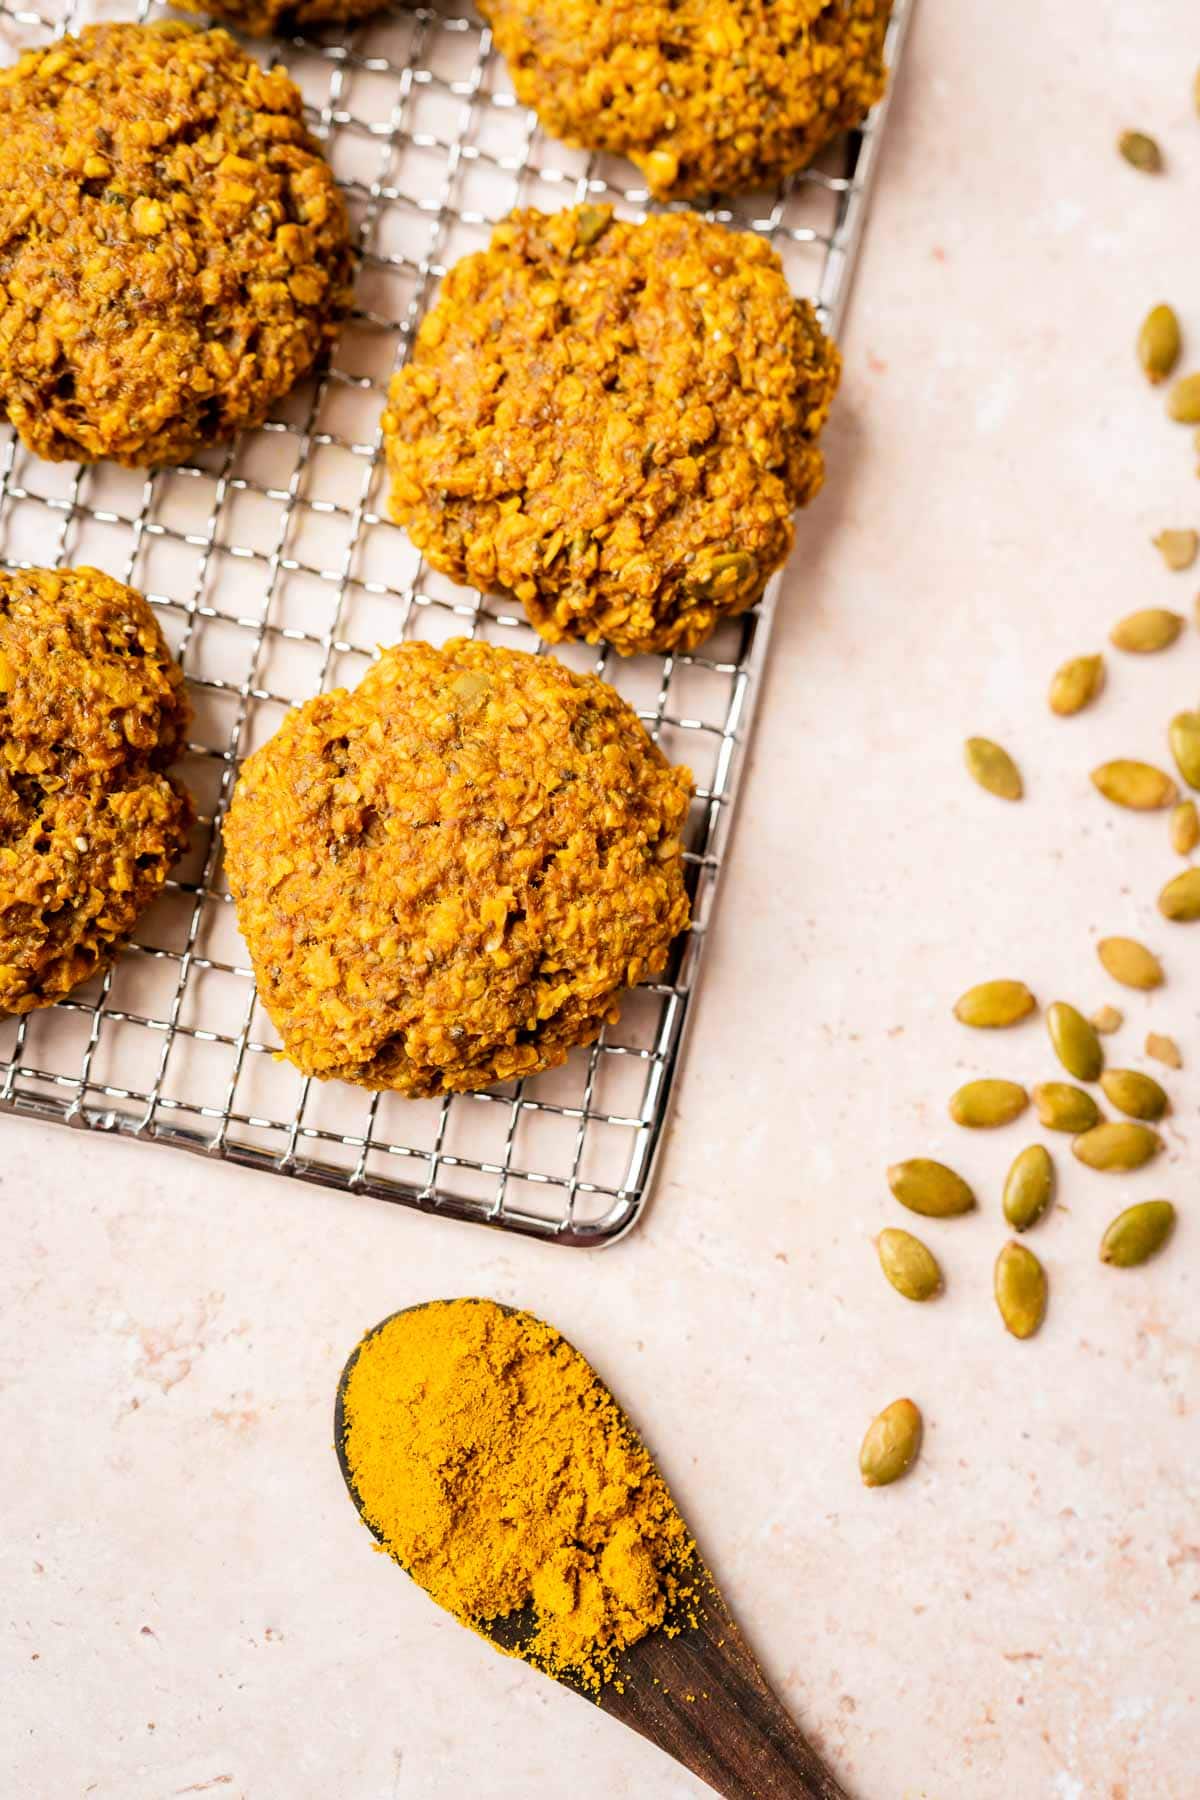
(191, 1606)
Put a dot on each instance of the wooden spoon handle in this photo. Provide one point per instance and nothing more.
(702, 1698)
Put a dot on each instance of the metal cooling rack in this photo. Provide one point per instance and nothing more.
(274, 573)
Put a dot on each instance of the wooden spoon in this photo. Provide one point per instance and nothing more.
(698, 1695)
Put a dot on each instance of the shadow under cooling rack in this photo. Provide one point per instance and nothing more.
(274, 574)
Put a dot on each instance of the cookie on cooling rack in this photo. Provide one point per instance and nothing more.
(447, 876)
(613, 422)
(92, 710)
(174, 251)
(266, 18)
(703, 97)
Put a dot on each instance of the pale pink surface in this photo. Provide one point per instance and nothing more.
(192, 1605)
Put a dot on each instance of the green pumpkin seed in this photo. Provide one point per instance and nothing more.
(1137, 1095)
(1137, 785)
(993, 768)
(1028, 1187)
(930, 1188)
(1185, 827)
(982, 1105)
(890, 1447)
(909, 1265)
(994, 1004)
(1107, 1019)
(1184, 402)
(1177, 548)
(1180, 899)
(1141, 151)
(1163, 1049)
(1159, 343)
(1137, 1234)
(1141, 633)
(1130, 963)
(733, 572)
(1061, 1107)
(1183, 735)
(1021, 1289)
(1075, 1042)
(1117, 1146)
(1076, 685)
(591, 222)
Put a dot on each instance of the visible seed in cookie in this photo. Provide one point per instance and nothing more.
(1021, 1289)
(1063, 1107)
(1076, 684)
(1028, 1187)
(909, 1265)
(1137, 1234)
(1159, 342)
(1130, 963)
(1180, 899)
(1141, 633)
(982, 1105)
(1138, 1096)
(1137, 785)
(993, 768)
(891, 1445)
(1117, 1146)
(991, 1005)
(1163, 1049)
(930, 1188)
(1075, 1042)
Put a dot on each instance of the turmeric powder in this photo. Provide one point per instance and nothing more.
(493, 1465)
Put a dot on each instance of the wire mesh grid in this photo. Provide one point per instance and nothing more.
(275, 573)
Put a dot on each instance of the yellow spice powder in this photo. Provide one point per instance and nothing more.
(493, 1465)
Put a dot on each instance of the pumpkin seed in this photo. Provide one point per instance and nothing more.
(890, 1447)
(1137, 1234)
(994, 1004)
(1107, 1019)
(1177, 548)
(930, 1188)
(1117, 1146)
(1141, 151)
(1141, 633)
(1180, 899)
(1061, 1107)
(1028, 1187)
(1159, 343)
(1130, 963)
(1184, 402)
(982, 1105)
(993, 768)
(1076, 685)
(1185, 828)
(909, 1265)
(1137, 785)
(591, 222)
(1163, 1049)
(1183, 735)
(1020, 1289)
(1137, 1095)
(733, 572)
(1075, 1042)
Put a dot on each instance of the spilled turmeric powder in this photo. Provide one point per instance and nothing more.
(492, 1463)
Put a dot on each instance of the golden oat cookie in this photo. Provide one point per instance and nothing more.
(447, 876)
(92, 711)
(174, 252)
(268, 18)
(612, 422)
(703, 95)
